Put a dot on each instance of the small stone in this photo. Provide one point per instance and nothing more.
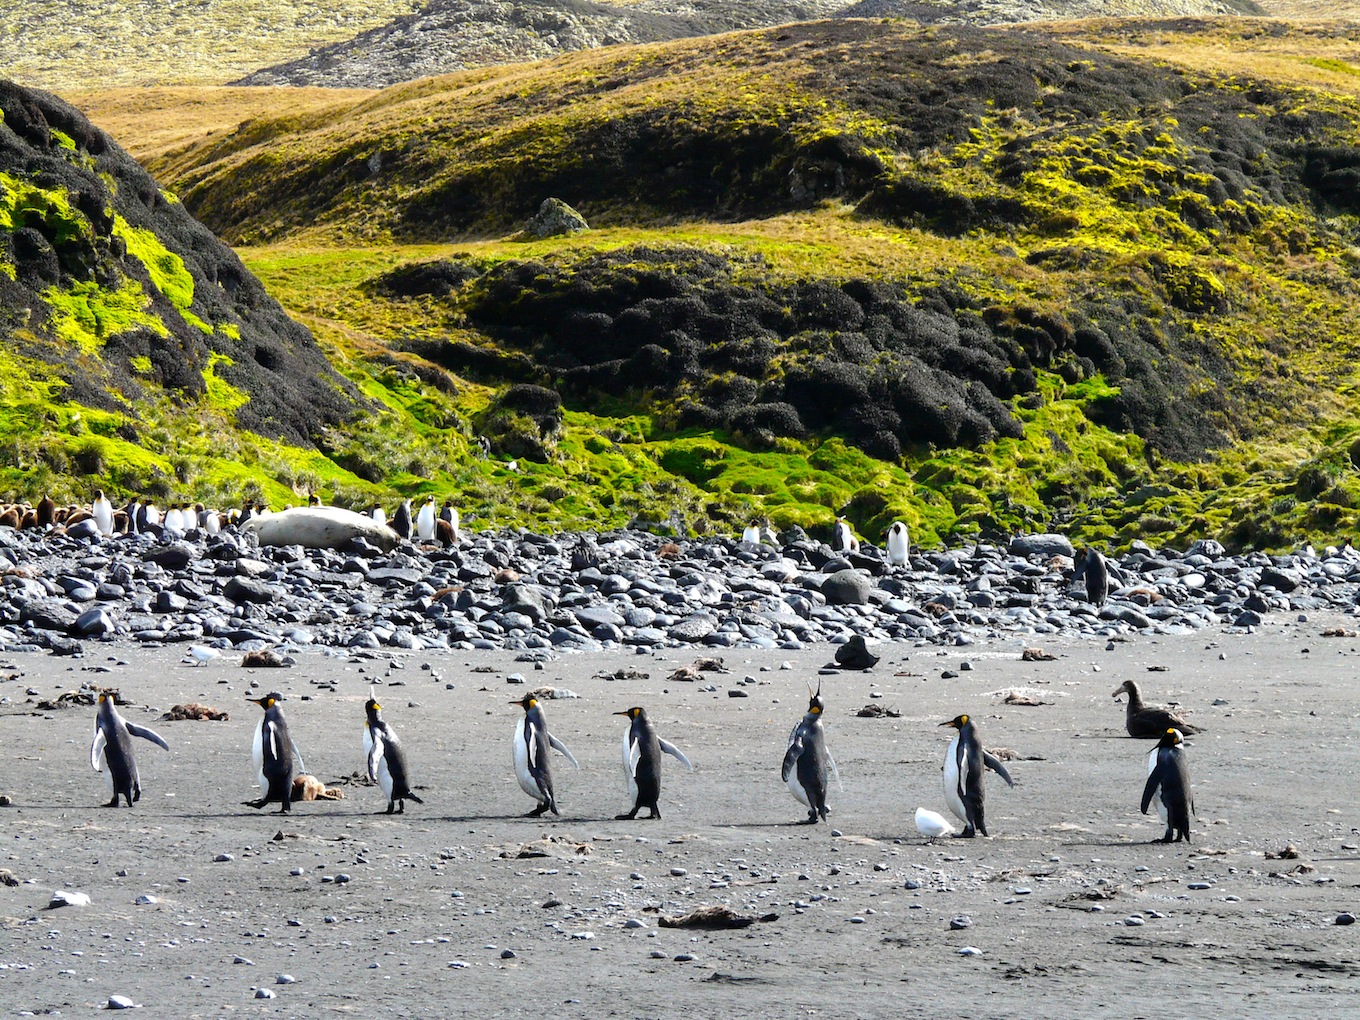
(1199, 885)
(633, 922)
(223, 858)
(1345, 917)
(961, 922)
(146, 900)
(970, 951)
(657, 954)
(263, 993)
(243, 960)
(508, 954)
(911, 883)
(679, 872)
(684, 958)
(285, 979)
(837, 832)
(120, 1002)
(341, 878)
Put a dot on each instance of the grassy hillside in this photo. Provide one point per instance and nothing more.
(981, 280)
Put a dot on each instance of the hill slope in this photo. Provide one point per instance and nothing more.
(454, 35)
(938, 244)
(979, 280)
(118, 309)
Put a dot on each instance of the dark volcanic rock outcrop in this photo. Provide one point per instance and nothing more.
(106, 276)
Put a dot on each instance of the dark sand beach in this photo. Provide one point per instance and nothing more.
(1073, 912)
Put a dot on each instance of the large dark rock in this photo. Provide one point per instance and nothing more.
(846, 588)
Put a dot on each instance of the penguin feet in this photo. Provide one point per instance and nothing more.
(391, 808)
(256, 804)
(114, 802)
(538, 810)
(811, 819)
(628, 817)
(967, 833)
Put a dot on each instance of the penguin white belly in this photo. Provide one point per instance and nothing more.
(101, 762)
(527, 783)
(796, 788)
(1159, 798)
(629, 766)
(384, 778)
(951, 781)
(257, 753)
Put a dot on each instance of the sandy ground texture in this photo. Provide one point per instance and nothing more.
(462, 907)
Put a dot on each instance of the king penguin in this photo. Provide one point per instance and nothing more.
(642, 750)
(963, 765)
(449, 514)
(386, 760)
(378, 513)
(425, 520)
(102, 512)
(1169, 779)
(842, 538)
(751, 533)
(1097, 574)
(899, 545)
(276, 757)
(401, 521)
(807, 762)
(532, 741)
(113, 747)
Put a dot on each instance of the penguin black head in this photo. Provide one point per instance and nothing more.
(958, 722)
(816, 706)
(527, 702)
(314, 500)
(1171, 738)
(631, 713)
(269, 700)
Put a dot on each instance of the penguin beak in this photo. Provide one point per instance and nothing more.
(628, 712)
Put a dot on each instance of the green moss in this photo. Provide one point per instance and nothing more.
(166, 269)
(221, 394)
(85, 314)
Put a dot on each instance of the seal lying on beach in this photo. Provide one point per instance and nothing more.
(320, 527)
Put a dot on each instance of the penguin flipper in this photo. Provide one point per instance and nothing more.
(668, 748)
(994, 763)
(835, 771)
(791, 757)
(147, 734)
(557, 744)
(375, 753)
(97, 749)
(1150, 788)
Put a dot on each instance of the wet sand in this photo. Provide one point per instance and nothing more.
(1073, 910)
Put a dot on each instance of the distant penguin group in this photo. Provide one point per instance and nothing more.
(807, 767)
